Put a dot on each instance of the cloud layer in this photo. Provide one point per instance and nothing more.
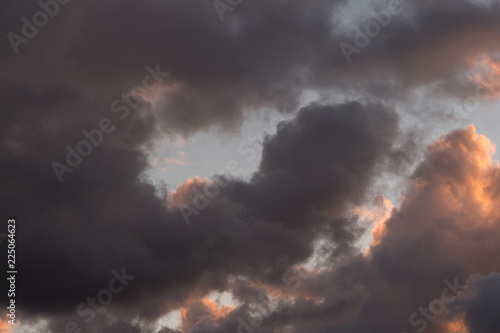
(284, 243)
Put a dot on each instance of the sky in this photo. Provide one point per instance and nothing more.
(241, 166)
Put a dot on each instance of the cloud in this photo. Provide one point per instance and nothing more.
(315, 170)
(218, 72)
(479, 306)
(5, 327)
(431, 243)
(97, 221)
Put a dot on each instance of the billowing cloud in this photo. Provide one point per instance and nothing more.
(478, 309)
(284, 241)
(238, 234)
(248, 61)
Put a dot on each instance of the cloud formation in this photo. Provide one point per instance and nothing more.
(283, 243)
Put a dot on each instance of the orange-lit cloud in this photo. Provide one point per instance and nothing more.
(457, 326)
(204, 309)
(214, 310)
(5, 327)
(377, 216)
(179, 160)
(184, 193)
(487, 76)
(474, 191)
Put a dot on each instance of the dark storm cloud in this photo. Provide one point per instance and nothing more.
(440, 231)
(268, 53)
(103, 217)
(482, 304)
(263, 55)
(417, 278)
(320, 162)
(106, 215)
